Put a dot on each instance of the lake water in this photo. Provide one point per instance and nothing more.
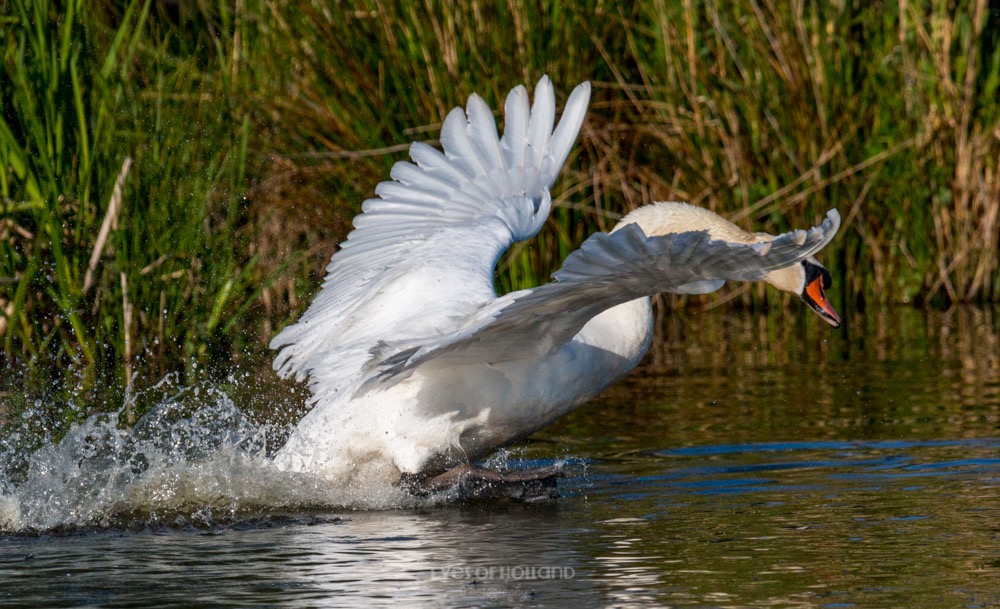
(753, 461)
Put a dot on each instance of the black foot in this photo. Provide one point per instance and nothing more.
(474, 482)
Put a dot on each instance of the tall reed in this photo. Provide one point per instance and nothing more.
(890, 111)
(85, 95)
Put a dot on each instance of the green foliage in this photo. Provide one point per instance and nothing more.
(256, 128)
(80, 95)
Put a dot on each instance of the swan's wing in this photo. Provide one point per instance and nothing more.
(423, 252)
(608, 270)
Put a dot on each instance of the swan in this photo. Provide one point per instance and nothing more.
(418, 369)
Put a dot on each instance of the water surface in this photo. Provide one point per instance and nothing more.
(749, 463)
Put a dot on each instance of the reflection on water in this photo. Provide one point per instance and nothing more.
(812, 524)
(887, 374)
(750, 463)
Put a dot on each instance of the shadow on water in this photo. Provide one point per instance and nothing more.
(892, 374)
(752, 461)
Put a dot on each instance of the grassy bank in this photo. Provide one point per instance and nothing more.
(174, 176)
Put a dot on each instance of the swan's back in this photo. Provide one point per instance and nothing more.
(662, 218)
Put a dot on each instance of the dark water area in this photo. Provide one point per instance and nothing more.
(753, 461)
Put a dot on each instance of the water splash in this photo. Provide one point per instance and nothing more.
(194, 459)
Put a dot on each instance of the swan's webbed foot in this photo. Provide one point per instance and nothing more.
(473, 482)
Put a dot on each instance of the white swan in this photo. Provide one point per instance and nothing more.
(416, 366)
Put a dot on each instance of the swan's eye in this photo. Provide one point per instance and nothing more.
(816, 272)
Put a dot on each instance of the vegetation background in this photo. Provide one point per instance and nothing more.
(175, 175)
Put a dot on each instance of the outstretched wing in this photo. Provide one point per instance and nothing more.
(608, 270)
(423, 252)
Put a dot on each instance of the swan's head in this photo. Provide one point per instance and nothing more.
(808, 280)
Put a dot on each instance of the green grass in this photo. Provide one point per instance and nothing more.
(79, 96)
(256, 128)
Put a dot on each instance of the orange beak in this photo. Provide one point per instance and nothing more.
(816, 298)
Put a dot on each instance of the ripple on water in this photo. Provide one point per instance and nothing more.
(891, 500)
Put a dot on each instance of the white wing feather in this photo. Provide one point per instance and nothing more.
(422, 254)
(515, 130)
